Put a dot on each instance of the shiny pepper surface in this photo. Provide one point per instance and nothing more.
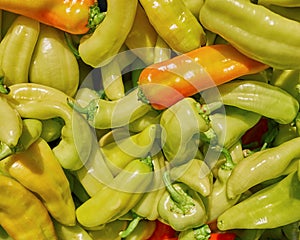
(236, 21)
(38, 170)
(271, 207)
(22, 214)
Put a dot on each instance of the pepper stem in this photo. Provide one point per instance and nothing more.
(77, 108)
(130, 228)
(229, 164)
(71, 45)
(202, 233)
(3, 88)
(95, 17)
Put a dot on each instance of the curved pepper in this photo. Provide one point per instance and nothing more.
(259, 97)
(51, 129)
(271, 207)
(98, 48)
(39, 171)
(75, 17)
(15, 61)
(120, 152)
(181, 207)
(261, 166)
(102, 114)
(163, 84)
(175, 23)
(183, 120)
(118, 198)
(22, 214)
(234, 21)
(53, 63)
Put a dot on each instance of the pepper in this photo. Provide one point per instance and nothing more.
(259, 97)
(34, 168)
(185, 118)
(19, 209)
(202, 232)
(194, 6)
(264, 209)
(232, 124)
(288, 12)
(138, 125)
(75, 232)
(283, 3)
(98, 48)
(53, 63)
(143, 230)
(117, 198)
(195, 174)
(75, 17)
(175, 23)
(275, 160)
(142, 36)
(110, 231)
(285, 133)
(181, 207)
(103, 114)
(120, 152)
(11, 123)
(15, 61)
(70, 151)
(51, 129)
(163, 84)
(238, 28)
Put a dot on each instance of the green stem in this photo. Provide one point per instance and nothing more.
(95, 17)
(3, 88)
(176, 196)
(130, 228)
(71, 45)
(148, 160)
(229, 164)
(142, 97)
(202, 233)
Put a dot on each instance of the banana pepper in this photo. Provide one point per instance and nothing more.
(234, 21)
(35, 169)
(22, 214)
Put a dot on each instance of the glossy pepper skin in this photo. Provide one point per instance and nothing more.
(19, 209)
(98, 48)
(271, 207)
(237, 28)
(261, 166)
(165, 83)
(119, 197)
(39, 171)
(181, 207)
(175, 23)
(69, 16)
(259, 97)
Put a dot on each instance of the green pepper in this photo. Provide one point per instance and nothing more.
(285, 133)
(143, 230)
(110, 231)
(116, 199)
(288, 12)
(196, 174)
(152, 117)
(236, 22)
(120, 152)
(283, 3)
(181, 207)
(199, 233)
(181, 126)
(274, 206)
(231, 125)
(102, 114)
(51, 129)
(259, 97)
(151, 198)
(261, 166)
(75, 232)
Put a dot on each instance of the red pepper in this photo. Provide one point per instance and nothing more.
(163, 232)
(72, 16)
(163, 84)
(223, 236)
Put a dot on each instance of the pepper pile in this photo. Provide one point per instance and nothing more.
(146, 120)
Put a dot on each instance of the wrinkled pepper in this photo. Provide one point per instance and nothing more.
(259, 97)
(102, 114)
(261, 166)
(22, 214)
(175, 23)
(15, 61)
(38, 170)
(115, 27)
(181, 207)
(184, 120)
(271, 207)
(75, 17)
(237, 28)
(120, 152)
(53, 63)
(118, 198)
(163, 84)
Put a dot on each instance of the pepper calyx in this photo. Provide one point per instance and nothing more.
(132, 225)
(95, 17)
(202, 233)
(89, 110)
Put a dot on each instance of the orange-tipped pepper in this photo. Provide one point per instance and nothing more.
(165, 83)
(72, 16)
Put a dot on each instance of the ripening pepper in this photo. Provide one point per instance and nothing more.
(234, 21)
(38, 170)
(75, 17)
(273, 206)
(180, 206)
(22, 214)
